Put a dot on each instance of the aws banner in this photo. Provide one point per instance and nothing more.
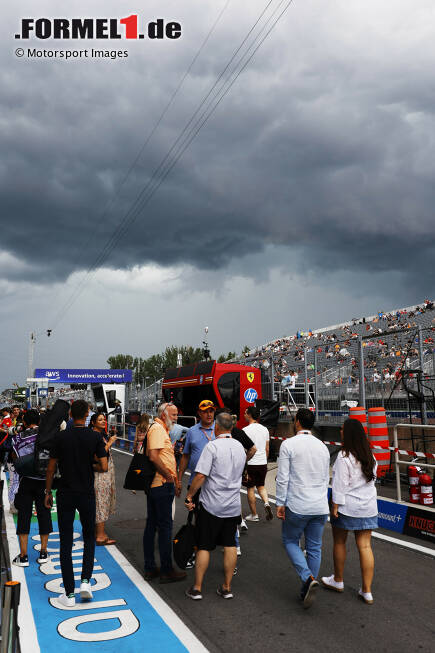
(84, 376)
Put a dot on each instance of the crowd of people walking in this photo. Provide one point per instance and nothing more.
(219, 458)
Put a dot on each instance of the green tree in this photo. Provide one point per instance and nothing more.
(154, 366)
(121, 362)
(226, 357)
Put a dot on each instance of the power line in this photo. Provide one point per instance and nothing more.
(142, 199)
(114, 197)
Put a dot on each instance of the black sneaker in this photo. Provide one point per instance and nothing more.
(225, 594)
(268, 511)
(194, 594)
(308, 591)
(21, 561)
(43, 557)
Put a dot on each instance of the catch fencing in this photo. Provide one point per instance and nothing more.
(393, 368)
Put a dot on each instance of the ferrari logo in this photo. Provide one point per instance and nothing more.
(250, 376)
(138, 471)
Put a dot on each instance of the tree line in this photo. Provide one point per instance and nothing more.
(148, 370)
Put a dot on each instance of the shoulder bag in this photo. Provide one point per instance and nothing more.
(141, 472)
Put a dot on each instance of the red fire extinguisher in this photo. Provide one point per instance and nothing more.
(414, 487)
(426, 493)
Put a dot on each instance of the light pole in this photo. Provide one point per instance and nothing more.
(31, 358)
(144, 407)
(206, 350)
(31, 355)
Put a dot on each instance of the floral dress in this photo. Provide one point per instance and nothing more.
(105, 491)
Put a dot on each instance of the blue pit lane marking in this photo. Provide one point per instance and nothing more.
(126, 614)
(118, 616)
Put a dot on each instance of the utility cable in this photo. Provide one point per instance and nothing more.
(124, 180)
(138, 205)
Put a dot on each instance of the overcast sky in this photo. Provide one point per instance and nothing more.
(306, 199)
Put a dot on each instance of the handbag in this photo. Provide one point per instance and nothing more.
(184, 543)
(141, 472)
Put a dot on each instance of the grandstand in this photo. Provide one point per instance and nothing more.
(394, 335)
(331, 358)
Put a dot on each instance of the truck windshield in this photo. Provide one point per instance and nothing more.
(229, 390)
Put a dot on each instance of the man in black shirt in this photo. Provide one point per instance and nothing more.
(77, 451)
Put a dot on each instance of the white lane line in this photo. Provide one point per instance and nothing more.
(190, 641)
(28, 637)
(379, 536)
(405, 544)
(174, 623)
(127, 453)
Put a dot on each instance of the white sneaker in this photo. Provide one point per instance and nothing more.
(332, 584)
(239, 553)
(43, 557)
(85, 590)
(252, 518)
(67, 601)
(367, 597)
(243, 526)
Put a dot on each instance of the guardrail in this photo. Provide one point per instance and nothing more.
(10, 596)
(397, 452)
(9, 626)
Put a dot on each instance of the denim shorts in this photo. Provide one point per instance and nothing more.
(355, 523)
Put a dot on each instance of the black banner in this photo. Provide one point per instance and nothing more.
(420, 523)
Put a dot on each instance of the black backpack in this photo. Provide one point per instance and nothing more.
(49, 428)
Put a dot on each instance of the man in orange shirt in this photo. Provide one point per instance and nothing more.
(160, 497)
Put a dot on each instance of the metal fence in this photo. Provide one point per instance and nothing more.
(398, 455)
(394, 369)
(10, 595)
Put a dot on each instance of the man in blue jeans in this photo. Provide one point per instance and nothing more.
(160, 497)
(302, 500)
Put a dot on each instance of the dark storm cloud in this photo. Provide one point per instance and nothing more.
(330, 156)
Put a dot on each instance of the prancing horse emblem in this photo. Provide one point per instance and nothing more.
(250, 376)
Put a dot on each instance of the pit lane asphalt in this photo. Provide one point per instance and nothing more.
(266, 614)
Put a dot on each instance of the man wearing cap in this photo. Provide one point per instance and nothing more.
(196, 439)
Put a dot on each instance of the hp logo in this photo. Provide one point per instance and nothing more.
(250, 395)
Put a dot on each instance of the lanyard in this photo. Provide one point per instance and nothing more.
(209, 438)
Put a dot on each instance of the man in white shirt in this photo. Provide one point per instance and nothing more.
(257, 465)
(218, 473)
(302, 500)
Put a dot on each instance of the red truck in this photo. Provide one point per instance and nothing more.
(226, 384)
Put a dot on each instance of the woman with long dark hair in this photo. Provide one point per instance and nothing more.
(105, 486)
(354, 506)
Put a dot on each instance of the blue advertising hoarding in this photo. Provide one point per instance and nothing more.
(56, 375)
